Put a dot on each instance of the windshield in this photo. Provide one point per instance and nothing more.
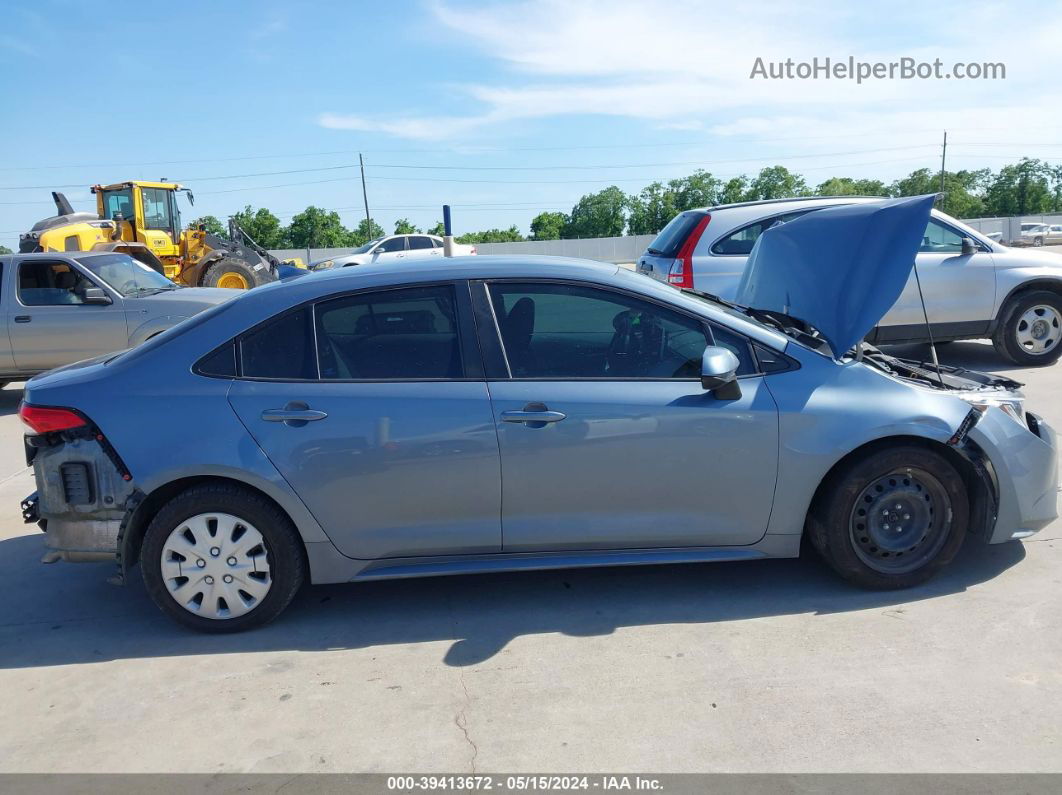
(126, 275)
(365, 248)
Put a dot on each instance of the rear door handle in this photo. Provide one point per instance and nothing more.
(295, 414)
(23, 318)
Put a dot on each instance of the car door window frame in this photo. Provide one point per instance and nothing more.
(471, 359)
(496, 364)
(111, 293)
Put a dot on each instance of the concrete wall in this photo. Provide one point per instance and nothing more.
(1009, 228)
(606, 249)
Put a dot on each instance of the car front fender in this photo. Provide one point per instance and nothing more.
(149, 328)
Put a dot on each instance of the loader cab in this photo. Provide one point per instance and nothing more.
(148, 213)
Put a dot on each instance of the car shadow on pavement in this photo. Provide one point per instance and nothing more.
(66, 614)
(9, 400)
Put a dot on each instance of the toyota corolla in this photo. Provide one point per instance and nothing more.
(503, 413)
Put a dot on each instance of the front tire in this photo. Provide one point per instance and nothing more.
(233, 274)
(219, 558)
(892, 518)
(1030, 329)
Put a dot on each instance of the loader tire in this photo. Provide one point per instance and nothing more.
(234, 274)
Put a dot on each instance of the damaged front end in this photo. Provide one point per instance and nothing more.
(83, 488)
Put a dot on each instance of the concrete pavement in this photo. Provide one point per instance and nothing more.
(765, 666)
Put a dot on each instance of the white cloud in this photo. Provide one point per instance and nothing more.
(681, 64)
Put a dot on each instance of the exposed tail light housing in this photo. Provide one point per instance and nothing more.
(50, 419)
(680, 274)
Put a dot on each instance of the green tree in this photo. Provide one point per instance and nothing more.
(263, 227)
(211, 224)
(962, 189)
(548, 225)
(733, 190)
(510, 235)
(1020, 189)
(317, 228)
(365, 231)
(651, 209)
(403, 226)
(699, 189)
(5, 250)
(846, 186)
(600, 214)
(438, 230)
(776, 182)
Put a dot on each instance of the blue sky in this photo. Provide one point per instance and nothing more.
(515, 107)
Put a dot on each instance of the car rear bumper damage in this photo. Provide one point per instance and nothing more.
(82, 494)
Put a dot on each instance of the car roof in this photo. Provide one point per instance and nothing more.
(481, 267)
(790, 200)
(72, 254)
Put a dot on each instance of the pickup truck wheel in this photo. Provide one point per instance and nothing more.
(892, 519)
(231, 273)
(1030, 329)
(1038, 241)
(217, 558)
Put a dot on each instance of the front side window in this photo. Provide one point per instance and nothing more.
(393, 244)
(42, 283)
(157, 208)
(742, 241)
(117, 202)
(939, 238)
(571, 331)
(409, 333)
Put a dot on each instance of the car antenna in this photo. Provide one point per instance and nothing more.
(925, 315)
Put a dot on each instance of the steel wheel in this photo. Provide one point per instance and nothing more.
(234, 281)
(1039, 329)
(900, 520)
(216, 565)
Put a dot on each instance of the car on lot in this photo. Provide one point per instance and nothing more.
(974, 287)
(510, 413)
(393, 248)
(1035, 234)
(62, 307)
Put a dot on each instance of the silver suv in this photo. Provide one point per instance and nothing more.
(974, 287)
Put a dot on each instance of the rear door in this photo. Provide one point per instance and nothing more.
(49, 322)
(631, 452)
(422, 246)
(372, 405)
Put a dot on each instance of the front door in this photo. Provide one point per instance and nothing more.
(379, 427)
(959, 289)
(390, 250)
(51, 325)
(608, 440)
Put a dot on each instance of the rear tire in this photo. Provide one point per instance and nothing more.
(1039, 241)
(234, 274)
(1030, 329)
(892, 518)
(183, 562)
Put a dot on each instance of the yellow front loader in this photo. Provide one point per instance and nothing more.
(141, 219)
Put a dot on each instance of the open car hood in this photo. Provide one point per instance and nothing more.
(839, 269)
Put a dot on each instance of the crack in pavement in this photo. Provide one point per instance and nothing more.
(461, 721)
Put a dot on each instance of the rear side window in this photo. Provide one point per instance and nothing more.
(282, 348)
(419, 242)
(672, 236)
(742, 241)
(408, 333)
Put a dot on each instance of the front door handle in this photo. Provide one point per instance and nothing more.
(23, 318)
(533, 415)
(295, 414)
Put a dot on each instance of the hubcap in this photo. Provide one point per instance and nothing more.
(1039, 329)
(216, 565)
(233, 281)
(900, 521)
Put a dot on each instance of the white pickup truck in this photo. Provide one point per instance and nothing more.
(61, 307)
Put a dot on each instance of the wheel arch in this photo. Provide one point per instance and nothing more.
(1046, 283)
(146, 506)
(968, 461)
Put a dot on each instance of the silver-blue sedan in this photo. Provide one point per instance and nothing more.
(498, 413)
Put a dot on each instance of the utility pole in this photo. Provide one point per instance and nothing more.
(943, 154)
(365, 196)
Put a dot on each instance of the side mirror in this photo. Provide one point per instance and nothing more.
(719, 368)
(969, 246)
(95, 295)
